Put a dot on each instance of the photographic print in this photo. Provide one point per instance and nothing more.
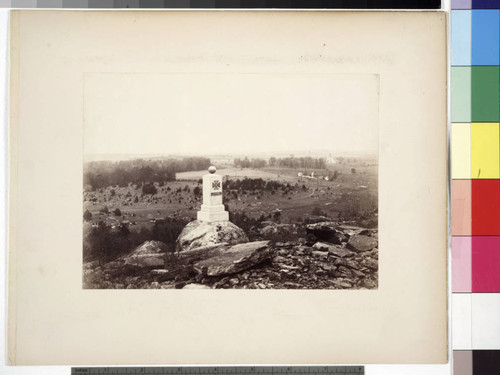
(189, 179)
(260, 181)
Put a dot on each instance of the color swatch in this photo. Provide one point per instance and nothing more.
(224, 4)
(475, 173)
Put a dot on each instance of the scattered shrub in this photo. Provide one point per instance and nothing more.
(149, 189)
(87, 215)
(318, 212)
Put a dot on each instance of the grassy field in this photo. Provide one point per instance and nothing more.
(350, 195)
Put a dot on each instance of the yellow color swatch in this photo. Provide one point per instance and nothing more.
(485, 150)
(460, 151)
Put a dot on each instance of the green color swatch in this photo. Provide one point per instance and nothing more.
(485, 98)
(460, 94)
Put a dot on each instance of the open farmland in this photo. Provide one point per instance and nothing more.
(348, 196)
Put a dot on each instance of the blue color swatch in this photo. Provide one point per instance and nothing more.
(461, 37)
(485, 4)
(485, 37)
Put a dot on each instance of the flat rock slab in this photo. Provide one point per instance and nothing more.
(202, 253)
(146, 260)
(150, 254)
(201, 233)
(333, 250)
(235, 259)
(350, 229)
(360, 243)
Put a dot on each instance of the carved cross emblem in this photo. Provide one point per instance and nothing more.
(216, 185)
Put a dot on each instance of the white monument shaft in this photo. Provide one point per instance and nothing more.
(212, 208)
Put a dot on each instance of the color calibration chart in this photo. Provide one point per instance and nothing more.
(475, 172)
(224, 4)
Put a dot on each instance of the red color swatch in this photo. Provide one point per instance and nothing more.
(461, 207)
(485, 207)
(485, 264)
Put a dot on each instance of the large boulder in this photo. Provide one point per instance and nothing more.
(235, 259)
(201, 233)
(279, 232)
(326, 231)
(151, 254)
(361, 243)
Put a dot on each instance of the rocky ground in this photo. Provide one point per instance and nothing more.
(322, 255)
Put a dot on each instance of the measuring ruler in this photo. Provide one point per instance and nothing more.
(215, 370)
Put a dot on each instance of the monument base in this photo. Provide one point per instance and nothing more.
(211, 217)
(200, 233)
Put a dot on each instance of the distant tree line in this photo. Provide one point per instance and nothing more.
(253, 184)
(302, 162)
(244, 184)
(288, 162)
(100, 174)
(249, 163)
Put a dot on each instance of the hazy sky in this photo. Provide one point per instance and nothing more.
(230, 113)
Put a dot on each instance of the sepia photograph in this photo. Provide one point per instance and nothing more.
(193, 179)
(248, 181)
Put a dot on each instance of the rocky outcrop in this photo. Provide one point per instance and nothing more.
(200, 233)
(291, 264)
(279, 232)
(360, 242)
(151, 254)
(235, 259)
(326, 231)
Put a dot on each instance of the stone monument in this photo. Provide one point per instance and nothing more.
(212, 226)
(212, 209)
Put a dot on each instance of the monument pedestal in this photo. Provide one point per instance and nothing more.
(212, 209)
(212, 213)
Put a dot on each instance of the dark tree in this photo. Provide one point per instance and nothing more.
(318, 212)
(167, 231)
(87, 215)
(277, 216)
(149, 189)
